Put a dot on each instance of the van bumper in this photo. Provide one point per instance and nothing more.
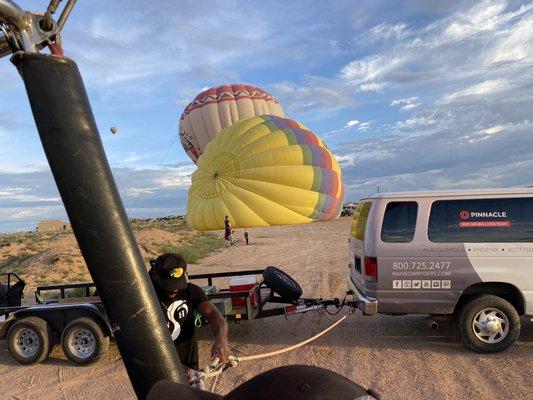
(368, 305)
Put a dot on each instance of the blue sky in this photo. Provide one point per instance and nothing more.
(411, 94)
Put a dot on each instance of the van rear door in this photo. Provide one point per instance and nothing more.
(357, 240)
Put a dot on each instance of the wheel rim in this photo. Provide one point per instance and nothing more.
(81, 343)
(490, 325)
(27, 343)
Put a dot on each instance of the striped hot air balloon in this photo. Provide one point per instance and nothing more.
(217, 108)
(265, 171)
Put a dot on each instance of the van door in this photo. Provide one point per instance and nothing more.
(357, 240)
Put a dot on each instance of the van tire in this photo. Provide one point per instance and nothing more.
(83, 341)
(30, 341)
(475, 316)
(282, 284)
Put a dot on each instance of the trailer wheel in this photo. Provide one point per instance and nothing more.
(83, 341)
(489, 324)
(29, 340)
(282, 284)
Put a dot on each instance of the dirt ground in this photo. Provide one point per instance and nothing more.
(401, 357)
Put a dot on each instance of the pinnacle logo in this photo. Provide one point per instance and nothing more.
(464, 214)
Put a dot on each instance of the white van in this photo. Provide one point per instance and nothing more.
(463, 253)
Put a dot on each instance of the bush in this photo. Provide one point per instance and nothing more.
(14, 264)
(197, 247)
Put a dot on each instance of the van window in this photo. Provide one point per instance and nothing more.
(359, 220)
(481, 221)
(399, 222)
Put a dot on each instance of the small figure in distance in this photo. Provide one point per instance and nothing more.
(246, 236)
(227, 229)
(231, 238)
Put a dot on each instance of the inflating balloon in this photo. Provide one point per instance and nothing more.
(264, 171)
(217, 108)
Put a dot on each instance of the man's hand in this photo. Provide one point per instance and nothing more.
(219, 326)
(220, 349)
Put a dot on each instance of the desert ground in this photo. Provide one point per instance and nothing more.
(400, 357)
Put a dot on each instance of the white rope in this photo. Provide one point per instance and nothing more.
(213, 370)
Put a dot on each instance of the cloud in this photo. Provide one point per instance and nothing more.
(488, 87)
(351, 123)
(315, 97)
(488, 38)
(407, 104)
(145, 192)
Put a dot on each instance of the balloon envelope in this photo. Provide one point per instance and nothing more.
(264, 171)
(217, 108)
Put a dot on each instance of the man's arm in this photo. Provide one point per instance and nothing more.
(219, 326)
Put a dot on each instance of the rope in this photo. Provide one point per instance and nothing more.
(213, 370)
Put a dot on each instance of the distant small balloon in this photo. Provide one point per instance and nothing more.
(113, 130)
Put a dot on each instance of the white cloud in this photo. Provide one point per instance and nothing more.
(488, 87)
(363, 126)
(314, 98)
(494, 129)
(345, 160)
(485, 40)
(386, 31)
(407, 104)
(351, 123)
(132, 157)
(417, 122)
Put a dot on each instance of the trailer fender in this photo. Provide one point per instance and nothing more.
(4, 328)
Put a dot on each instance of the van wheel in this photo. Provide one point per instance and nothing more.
(489, 324)
(29, 340)
(83, 341)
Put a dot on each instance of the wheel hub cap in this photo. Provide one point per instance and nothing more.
(490, 325)
(27, 343)
(82, 343)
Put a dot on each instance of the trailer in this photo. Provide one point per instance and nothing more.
(73, 315)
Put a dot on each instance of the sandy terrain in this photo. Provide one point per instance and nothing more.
(399, 356)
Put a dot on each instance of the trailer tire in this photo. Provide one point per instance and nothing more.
(29, 340)
(282, 284)
(83, 341)
(474, 320)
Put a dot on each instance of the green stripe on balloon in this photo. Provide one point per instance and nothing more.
(317, 179)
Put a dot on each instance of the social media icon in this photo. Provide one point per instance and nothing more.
(426, 284)
(396, 284)
(446, 284)
(417, 284)
(407, 284)
(435, 284)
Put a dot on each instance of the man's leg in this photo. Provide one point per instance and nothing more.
(188, 352)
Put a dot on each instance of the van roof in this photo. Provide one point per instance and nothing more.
(452, 193)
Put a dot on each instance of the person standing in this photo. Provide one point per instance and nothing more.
(246, 236)
(227, 229)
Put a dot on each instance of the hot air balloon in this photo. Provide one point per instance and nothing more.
(264, 171)
(217, 108)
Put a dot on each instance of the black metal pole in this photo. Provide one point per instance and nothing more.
(77, 159)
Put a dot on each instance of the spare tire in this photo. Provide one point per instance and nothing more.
(282, 284)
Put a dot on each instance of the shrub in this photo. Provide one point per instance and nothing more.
(197, 247)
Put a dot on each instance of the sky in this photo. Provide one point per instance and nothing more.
(409, 95)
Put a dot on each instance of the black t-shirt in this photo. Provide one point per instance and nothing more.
(179, 312)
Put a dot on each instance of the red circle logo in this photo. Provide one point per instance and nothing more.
(464, 215)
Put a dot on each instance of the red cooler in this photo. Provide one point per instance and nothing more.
(241, 284)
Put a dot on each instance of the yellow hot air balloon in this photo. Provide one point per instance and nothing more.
(264, 171)
(217, 108)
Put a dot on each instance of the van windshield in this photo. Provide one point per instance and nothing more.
(360, 217)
